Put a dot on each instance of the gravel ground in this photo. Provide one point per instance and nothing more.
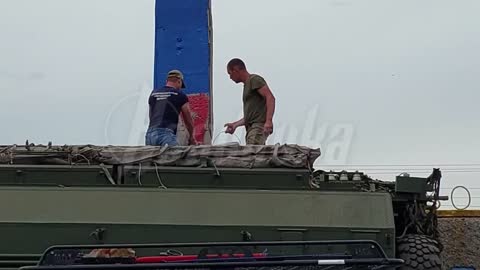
(461, 240)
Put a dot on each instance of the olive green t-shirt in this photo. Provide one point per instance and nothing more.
(254, 106)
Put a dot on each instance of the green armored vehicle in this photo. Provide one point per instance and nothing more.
(99, 195)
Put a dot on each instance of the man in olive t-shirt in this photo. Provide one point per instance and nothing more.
(258, 104)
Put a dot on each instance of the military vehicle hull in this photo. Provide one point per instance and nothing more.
(35, 218)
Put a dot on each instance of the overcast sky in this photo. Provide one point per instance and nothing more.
(377, 82)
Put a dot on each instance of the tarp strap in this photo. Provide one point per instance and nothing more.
(107, 174)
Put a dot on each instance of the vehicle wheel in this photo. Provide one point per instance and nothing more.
(419, 252)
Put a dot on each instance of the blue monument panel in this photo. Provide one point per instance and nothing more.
(183, 41)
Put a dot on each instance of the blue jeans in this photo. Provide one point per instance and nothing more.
(160, 137)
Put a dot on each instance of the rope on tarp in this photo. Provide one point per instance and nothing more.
(82, 156)
(214, 139)
(159, 178)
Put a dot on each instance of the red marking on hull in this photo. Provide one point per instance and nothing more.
(200, 107)
(184, 258)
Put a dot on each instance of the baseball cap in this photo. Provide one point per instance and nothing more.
(177, 74)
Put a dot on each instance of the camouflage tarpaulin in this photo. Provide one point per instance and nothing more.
(226, 155)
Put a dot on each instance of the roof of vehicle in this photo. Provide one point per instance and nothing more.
(226, 155)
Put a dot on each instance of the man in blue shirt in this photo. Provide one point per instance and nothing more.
(166, 104)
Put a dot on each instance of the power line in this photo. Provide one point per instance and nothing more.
(449, 188)
(404, 171)
(444, 170)
(402, 165)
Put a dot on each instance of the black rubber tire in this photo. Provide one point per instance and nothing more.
(419, 252)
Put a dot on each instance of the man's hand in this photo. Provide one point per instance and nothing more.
(268, 128)
(187, 118)
(231, 127)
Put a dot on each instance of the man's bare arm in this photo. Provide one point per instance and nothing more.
(187, 118)
(270, 102)
(240, 123)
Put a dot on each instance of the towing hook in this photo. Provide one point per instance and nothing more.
(439, 198)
